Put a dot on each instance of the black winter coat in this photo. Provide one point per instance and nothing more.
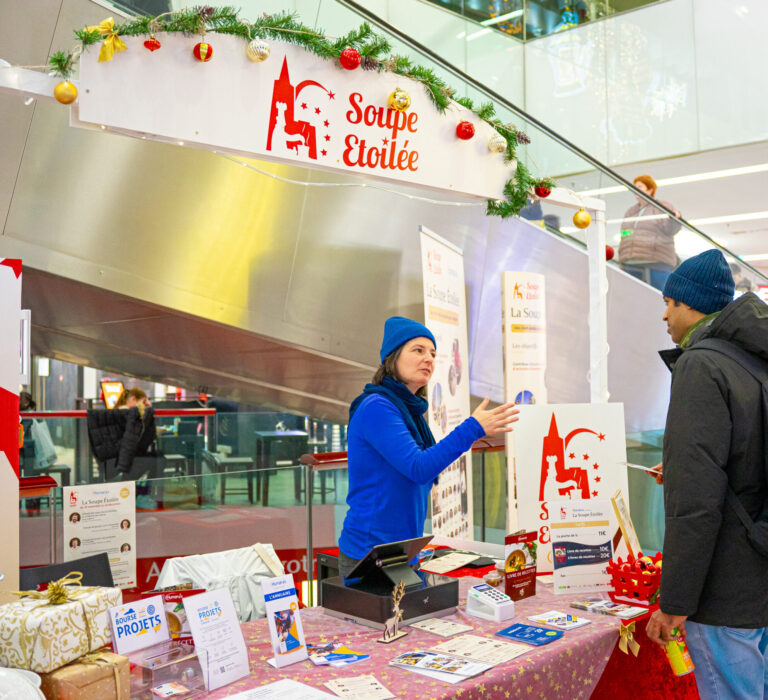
(714, 436)
(121, 434)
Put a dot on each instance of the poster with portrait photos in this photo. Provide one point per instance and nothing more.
(445, 314)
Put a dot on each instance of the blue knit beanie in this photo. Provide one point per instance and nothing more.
(703, 282)
(399, 330)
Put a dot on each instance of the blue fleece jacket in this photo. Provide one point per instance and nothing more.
(390, 476)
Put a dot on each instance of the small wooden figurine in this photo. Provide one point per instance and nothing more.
(391, 632)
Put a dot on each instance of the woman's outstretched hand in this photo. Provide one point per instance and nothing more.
(497, 420)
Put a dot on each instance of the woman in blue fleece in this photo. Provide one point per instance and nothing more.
(392, 456)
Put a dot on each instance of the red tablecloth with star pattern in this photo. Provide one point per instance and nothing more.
(567, 668)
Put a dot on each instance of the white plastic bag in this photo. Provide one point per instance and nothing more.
(45, 452)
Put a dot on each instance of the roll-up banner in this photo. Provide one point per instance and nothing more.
(445, 314)
(524, 324)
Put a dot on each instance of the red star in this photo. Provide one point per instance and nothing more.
(317, 110)
(324, 152)
(597, 479)
(601, 437)
(595, 466)
(594, 493)
(571, 456)
(384, 141)
(327, 138)
(303, 105)
(331, 96)
(326, 123)
(586, 457)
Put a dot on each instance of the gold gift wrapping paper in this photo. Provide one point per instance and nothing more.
(40, 637)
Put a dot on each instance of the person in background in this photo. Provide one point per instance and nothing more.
(392, 456)
(714, 582)
(647, 247)
(743, 284)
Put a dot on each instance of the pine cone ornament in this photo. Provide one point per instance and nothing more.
(522, 138)
(369, 63)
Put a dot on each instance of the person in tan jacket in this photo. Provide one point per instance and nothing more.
(647, 248)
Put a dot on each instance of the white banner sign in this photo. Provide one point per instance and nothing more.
(567, 451)
(138, 625)
(445, 311)
(524, 325)
(293, 108)
(102, 518)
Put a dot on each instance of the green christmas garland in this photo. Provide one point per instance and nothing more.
(375, 55)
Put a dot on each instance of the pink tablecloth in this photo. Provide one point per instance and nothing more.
(567, 668)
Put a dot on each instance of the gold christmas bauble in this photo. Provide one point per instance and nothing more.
(399, 100)
(497, 144)
(65, 92)
(258, 50)
(581, 219)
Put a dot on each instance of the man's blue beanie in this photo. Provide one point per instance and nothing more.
(399, 330)
(703, 282)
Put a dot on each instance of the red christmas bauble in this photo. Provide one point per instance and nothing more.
(465, 130)
(152, 44)
(609, 252)
(349, 58)
(542, 191)
(203, 51)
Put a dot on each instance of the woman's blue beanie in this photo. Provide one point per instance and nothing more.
(703, 282)
(399, 330)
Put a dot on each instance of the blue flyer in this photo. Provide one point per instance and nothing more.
(528, 634)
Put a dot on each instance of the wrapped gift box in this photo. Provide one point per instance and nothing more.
(96, 676)
(41, 637)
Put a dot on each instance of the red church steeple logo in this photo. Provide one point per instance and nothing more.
(570, 472)
(286, 132)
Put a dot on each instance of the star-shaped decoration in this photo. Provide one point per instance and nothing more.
(597, 479)
(331, 96)
(595, 466)
(571, 456)
(586, 457)
(303, 105)
(326, 123)
(324, 152)
(601, 436)
(594, 493)
(317, 110)
(385, 141)
(327, 137)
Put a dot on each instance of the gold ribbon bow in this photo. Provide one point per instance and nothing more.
(58, 592)
(97, 658)
(627, 638)
(112, 42)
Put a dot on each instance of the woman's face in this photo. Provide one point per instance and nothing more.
(416, 363)
(643, 188)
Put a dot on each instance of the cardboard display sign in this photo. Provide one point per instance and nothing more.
(285, 630)
(138, 625)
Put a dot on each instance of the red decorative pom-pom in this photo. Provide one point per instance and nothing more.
(349, 58)
(203, 51)
(609, 252)
(465, 130)
(152, 44)
(542, 191)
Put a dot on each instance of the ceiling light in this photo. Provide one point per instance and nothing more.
(461, 35)
(476, 35)
(501, 18)
(754, 258)
(684, 179)
(749, 216)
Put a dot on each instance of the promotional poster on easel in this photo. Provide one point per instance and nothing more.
(284, 621)
(568, 452)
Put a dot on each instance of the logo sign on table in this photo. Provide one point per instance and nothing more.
(524, 331)
(138, 625)
(102, 518)
(445, 313)
(293, 108)
(284, 621)
(567, 452)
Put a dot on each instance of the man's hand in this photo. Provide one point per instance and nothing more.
(657, 473)
(660, 627)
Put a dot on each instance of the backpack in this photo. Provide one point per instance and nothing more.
(757, 532)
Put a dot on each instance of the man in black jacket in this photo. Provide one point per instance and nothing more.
(714, 585)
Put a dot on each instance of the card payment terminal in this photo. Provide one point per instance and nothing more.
(490, 604)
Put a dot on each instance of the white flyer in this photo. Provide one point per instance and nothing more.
(482, 649)
(285, 689)
(216, 629)
(581, 544)
(450, 562)
(138, 625)
(285, 630)
(359, 688)
(440, 627)
(102, 518)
